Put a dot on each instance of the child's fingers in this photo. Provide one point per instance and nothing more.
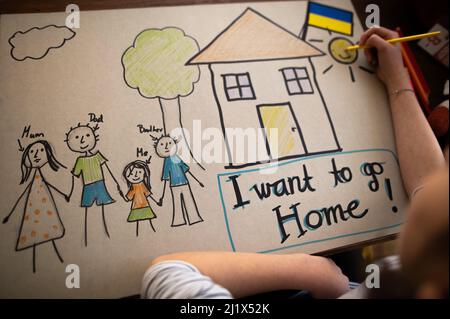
(375, 41)
(369, 56)
(380, 31)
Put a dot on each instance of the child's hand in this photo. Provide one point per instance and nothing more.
(328, 281)
(386, 57)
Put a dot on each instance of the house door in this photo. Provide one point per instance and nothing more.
(282, 132)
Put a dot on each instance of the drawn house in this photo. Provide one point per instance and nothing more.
(263, 77)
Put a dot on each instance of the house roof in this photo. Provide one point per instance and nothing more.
(253, 37)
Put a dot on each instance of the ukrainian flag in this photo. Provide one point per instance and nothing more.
(330, 18)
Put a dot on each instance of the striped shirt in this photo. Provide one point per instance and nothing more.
(180, 280)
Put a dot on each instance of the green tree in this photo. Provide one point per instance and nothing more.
(155, 65)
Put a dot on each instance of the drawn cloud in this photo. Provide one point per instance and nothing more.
(37, 42)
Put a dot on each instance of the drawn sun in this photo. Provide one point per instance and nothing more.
(337, 50)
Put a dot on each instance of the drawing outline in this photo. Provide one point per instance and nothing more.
(41, 222)
(83, 139)
(234, 46)
(184, 206)
(137, 177)
(42, 55)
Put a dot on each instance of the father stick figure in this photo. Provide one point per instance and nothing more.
(83, 139)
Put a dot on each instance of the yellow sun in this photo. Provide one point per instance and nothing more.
(337, 49)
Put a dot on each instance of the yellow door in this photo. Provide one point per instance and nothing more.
(282, 131)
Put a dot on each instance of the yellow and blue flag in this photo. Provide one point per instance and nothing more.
(330, 18)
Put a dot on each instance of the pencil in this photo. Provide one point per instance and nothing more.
(397, 40)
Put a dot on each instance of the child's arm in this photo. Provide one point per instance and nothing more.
(418, 150)
(245, 274)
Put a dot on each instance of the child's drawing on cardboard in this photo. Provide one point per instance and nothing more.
(240, 127)
(41, 222)
(83, 139)
(137, 176)
(253, 42)
(155, 65)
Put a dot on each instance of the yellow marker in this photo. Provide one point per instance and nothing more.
(396, 40)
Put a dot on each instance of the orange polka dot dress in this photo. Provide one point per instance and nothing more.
(41, 221)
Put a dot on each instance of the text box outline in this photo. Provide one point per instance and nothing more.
(230, 237)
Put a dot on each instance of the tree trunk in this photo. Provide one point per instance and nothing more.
(172, 119)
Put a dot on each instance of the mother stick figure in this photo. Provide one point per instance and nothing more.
(41, 222)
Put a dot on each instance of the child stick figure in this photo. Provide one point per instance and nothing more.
(137, 176)
(174, 172)
(41, 222)
(83, 139)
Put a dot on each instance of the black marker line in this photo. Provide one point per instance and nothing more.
(324, 104)
(304, 30)
(219, 107)
(299, 130)
(351, 74)
(184, 136)
(163, 115)
(321, 53)
(34, 258)
(261, 123)
(85, 225)
(48, 50)
(151, 225)
(57, 252)
(282, 159)
(20, 145)
(327, 69)
(196, 207)
(104, 221)
(366, 69)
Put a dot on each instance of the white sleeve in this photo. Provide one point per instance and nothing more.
(179, 280)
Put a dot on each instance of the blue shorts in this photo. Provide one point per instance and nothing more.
(95, 192)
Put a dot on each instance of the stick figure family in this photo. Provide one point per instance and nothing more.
(41, 222)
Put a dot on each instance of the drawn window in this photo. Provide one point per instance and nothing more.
(297, 81)
(238, 87)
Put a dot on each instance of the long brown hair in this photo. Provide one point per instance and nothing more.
(52, 161)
